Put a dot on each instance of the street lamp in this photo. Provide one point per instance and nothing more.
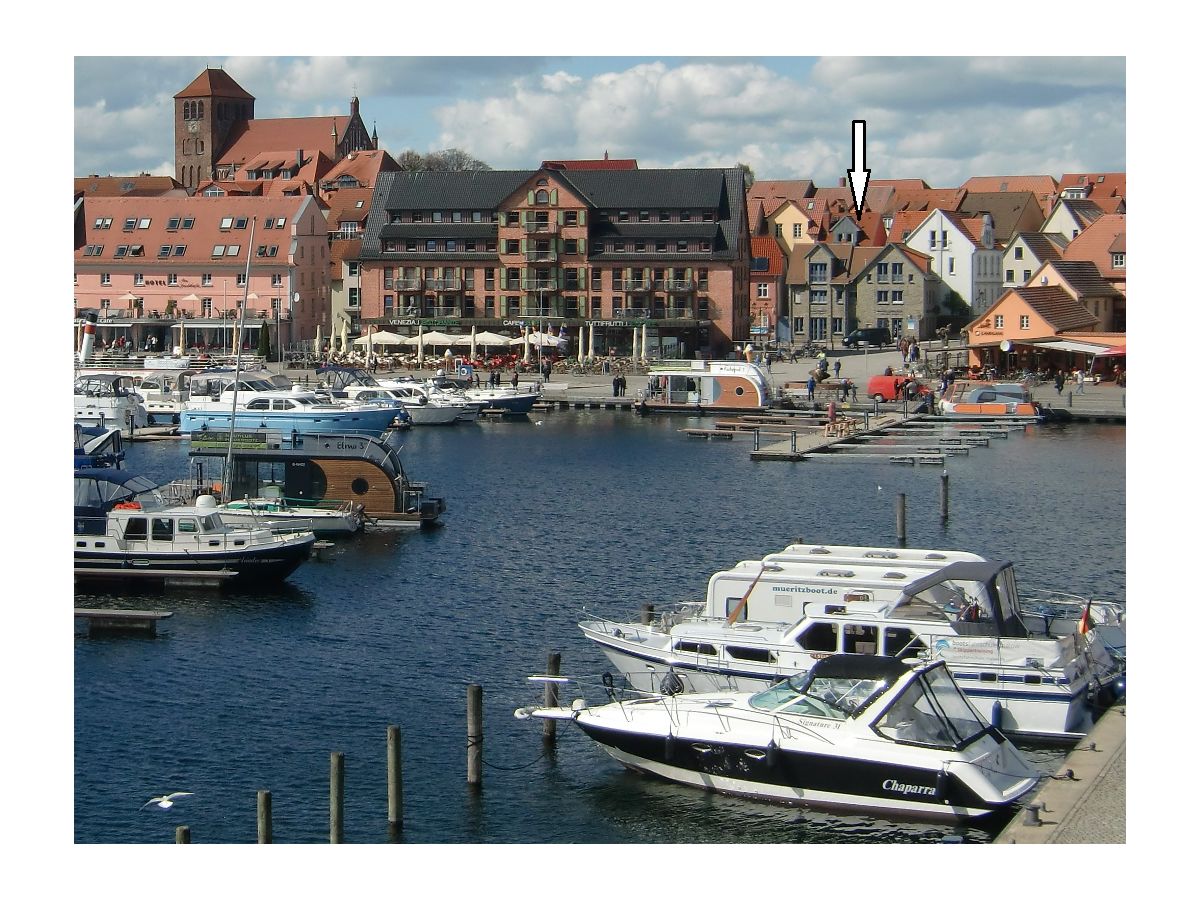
(224, 311)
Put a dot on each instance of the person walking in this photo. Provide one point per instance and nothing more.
(623, 384)
(812, 387)
(1059, 381)
(516, 379)
(837, 368)
(1079, 378)
(616, 385)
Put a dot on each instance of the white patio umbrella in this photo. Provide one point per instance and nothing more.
(317, 341)
(591, 340)
(345, 336)
(526, 339)
(644, 329)
(537, 339)
(491, 339)
(420, 345)
(580, 343)
(380, 339)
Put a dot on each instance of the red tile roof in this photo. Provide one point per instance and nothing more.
(1042, 185)
(214, 82)
(904, 223)
(605, 164)
(122, 185)
(1095, 244)
(253, 138)
(766, 246)
(1104, 185)
(344, 206)
(363, 166)
(927, 198)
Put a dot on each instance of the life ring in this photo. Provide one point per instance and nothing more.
(128, 504)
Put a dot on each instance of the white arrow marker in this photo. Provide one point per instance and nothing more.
(860, 175)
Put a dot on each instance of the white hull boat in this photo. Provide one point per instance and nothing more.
(865, 734)
(770, 619)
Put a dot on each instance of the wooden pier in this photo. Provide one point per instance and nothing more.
(140, 620)
(169, 577)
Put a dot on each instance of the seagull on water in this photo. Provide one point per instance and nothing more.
(166, 801)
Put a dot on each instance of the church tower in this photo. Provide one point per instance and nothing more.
(206, 112)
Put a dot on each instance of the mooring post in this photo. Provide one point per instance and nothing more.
(793, 440)
(945, 495)
(183, 834)
(901, 534)
(755, 438)
(395, 780)
(264, 817)
(337, 774)
(553, 666)
(647, 613)
(474, 735)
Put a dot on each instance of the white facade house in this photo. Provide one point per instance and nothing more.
(1025, 254)
(963, 255)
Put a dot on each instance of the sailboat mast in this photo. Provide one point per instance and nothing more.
(226, 482)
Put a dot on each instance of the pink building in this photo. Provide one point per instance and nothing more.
(166, 272)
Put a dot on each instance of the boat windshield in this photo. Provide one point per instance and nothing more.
(931, 711)
(813, 694)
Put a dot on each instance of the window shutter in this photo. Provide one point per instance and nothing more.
(554, 196)
(530, 198)
(582, 246)
(521, 215)
(560, 217)
(583, 217)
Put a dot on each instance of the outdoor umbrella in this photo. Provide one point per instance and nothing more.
(379, 339)
(345, 335)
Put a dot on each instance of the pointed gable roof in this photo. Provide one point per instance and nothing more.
(214, 83)
(1095, 245)
(1102, 185)
(1006, 209)
(1044, 246)
(774, 194)
(1058, 308)
(905, 223)
(363, 166)
(766, 248)
(251, 138)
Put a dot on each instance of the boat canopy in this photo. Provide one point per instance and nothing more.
(340, 377)
(999, 601)
(101, 488)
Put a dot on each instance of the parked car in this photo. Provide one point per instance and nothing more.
(895, 387)
(873, 337)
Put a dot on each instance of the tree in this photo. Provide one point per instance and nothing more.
(452, 160)
(748, 172)
(264, 342)
(410, 161)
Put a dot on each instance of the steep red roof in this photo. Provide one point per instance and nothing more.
(214, 82)
(766, 247)
(925, 199)
(348, 205)
(1104, 185)
(252, 138)
(363, 166)
(904, 223)
(774, 194)
(1096, 242)
(124, 185)
(603, 164)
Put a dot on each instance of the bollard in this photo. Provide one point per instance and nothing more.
(1032, 814)
(553, 665)
(1069, 397)
(395, 780)
(264, 817)
(901, 534)
(474, 735)
(755, 438)
(647, 613)
(183, 835)
(337, 774)
(793, 440)
(945, 495)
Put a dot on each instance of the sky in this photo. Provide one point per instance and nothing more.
(941, 119)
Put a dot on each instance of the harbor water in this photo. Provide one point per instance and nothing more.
(241, 692)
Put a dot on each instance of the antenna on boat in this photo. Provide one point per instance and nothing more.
(226, 481)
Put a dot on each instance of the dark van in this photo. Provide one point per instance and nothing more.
(873, 337)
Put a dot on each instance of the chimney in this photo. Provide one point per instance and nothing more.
(841, 182)
(299, 158)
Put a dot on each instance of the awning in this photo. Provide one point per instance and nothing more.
(1113, 351)
(1071, 346)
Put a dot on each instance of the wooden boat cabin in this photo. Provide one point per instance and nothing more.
(701, 385)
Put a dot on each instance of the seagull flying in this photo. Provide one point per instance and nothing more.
(166, 801)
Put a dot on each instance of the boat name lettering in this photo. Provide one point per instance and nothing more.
(349, 445)
(801, 589)
(901, 788)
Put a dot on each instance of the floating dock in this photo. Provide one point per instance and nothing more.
(140, 620)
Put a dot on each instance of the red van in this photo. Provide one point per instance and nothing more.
(893, 387)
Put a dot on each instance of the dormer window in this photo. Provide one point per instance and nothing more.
(1118, 260)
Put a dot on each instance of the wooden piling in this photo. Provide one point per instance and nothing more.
(553, 665)
(395, 782)
(183, 834)
(264, 817)
(337, 776)
(945, 497)
(901, 532)
(474, 735)
(647, 613)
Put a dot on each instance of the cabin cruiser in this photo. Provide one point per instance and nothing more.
(97, 447)
(861, 733)
(126, 528)
(312, 470)
(772, 618)
(361, 386)
(988, 400)
(108, 399)
(508, 400)
(706, 386)
(261, 403)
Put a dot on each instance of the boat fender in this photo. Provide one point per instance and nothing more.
(939, 787)
(671, 684)
(669, 750)
(997, 714)
(129, 504)
(772, 753)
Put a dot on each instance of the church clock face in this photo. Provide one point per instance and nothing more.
(193, 127)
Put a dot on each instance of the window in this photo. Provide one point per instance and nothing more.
(226, 223)
(798, 230)
(164, 250)
(451, 245)
(881, 271)
(821, 296)
(1018, 253)
(270, 223)
(435, 216)
(105, 279)
(103, 223)
(702, 279)
(681, 246)
(818, 272)
(778, 230)
(1024, 323)
(932, 239)
(162, 529)
(897, 271)
(1008, 274)
(129, 225)
(764, 291)
(1028, 273)
(139, 280)
(1118, 260)
(352, 298)
(206, 280)
(206, 307)
(901, 643)
(180, 249)
(860, 638)
(820, 637)
(135, 529)
(241, 281)
(881, 296)
(278, 224)
(120, 251)
(276, 280)
(143, 224)
(999, 321)
(235, 249)
(951, 265)
(172, 279)
(571, 217)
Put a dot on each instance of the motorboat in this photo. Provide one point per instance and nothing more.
(701, 386)
(98, 446)
(974, 399)
(768, 619)
(163, 393)
(321, 517)
(861, 733)
(261, 403)
(125, 528)
(441, 389)
(108, 399)
(360, 386)
(509, 401)
(311, 470)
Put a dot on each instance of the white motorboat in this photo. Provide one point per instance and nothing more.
(508, 400)
(361, 386)
(861, 733)
(769, 619)
(330, 517)
(125, 528)
(108, 400)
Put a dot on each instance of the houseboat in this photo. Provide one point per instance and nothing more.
(312, 469)
(706, 386)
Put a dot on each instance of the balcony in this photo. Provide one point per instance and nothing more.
(440, 285)
(680, 285)
(680, 312)
(547, 227)
(438, 312)
(632, 284)
(404, 284)
(541, 256)
(634, 312)
(539, 284)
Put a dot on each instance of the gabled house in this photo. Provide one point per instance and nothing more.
(1011, 212)
(1026, 252)
(963, 255)
(1091, 186)
(766, 290)
(1103, 244)
(1043, 187)
(1070, 217)
(1083, 281)
(894, 288)
(821, 293)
